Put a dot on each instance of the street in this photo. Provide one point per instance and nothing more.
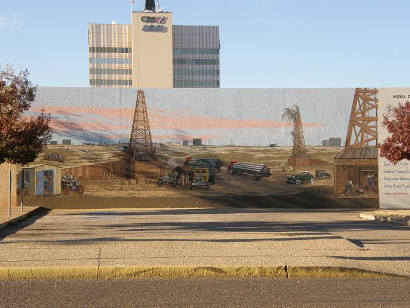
(206, 293)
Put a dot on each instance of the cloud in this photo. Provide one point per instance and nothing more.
(12, 21)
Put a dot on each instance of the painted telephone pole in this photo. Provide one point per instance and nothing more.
(22, 192)
(10, 187)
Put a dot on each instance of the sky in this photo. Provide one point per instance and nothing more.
(264, 44)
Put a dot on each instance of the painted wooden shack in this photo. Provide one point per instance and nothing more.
(40, 180)
(102, 171)
(356, 164)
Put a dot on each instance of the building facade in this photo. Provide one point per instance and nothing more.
(151, 52)
(196, 56)
(110, 55)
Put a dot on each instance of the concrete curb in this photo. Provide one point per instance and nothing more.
(385, 218)
(21, 217)
(179, 272)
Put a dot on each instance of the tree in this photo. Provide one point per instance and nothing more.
(397, 122)
(22, 138)
(292, 115)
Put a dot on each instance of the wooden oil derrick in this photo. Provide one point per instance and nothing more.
(362, 130)
(141, 139)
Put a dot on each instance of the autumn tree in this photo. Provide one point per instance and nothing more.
(397, 122)
(22, 138)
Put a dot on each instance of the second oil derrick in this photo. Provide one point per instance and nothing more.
(140, 145)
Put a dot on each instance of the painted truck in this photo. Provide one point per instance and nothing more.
(190, 161)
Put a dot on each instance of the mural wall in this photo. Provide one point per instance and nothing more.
(246, 155)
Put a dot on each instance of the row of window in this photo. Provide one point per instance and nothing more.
(110, 71)
(110, 49)
(105, 82)
(196, 83)
(196, 51)
(198, 72)
(110, 61)
(197, 61)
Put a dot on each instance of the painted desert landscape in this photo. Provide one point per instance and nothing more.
(101, 171)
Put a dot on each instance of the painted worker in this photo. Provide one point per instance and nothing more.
(182, 177)
(370, 182)
(67, 177)
(175, 175)
(348, 186)
(187, 178)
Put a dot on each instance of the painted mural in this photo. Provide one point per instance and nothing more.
(213, 147)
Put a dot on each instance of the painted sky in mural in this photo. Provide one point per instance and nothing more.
(218, 116)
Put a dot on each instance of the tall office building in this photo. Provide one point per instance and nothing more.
(151, 52)
(196, 56)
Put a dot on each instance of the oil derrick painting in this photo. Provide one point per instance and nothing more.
(362, 130)
(141, 139)
(358, 162)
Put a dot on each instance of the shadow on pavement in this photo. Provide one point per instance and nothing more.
(15, 227)
(141, 232)
(204, 211)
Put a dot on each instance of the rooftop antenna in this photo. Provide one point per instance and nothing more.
(150, 5)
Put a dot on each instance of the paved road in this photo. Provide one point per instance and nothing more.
(198, 237)
(206, 293)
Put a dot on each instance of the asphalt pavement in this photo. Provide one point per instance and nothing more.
(206, 293)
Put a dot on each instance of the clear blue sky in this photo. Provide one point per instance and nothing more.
(264, 44)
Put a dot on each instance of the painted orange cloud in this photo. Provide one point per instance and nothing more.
(160, 119)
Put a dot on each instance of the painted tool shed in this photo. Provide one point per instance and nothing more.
(40, 180)
(356, 164)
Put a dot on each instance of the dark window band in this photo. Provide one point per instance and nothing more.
(107, 82)
(196, 51)
(197, 61)
(110, 71)
(110, 49)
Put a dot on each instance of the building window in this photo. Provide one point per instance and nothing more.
(108, 82)
(110, 71)
(196, 61)
(196, 51)
(178, 72)
(110, 61)
(196, 83)
(110, 50)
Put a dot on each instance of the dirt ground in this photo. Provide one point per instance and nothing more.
(229, 190)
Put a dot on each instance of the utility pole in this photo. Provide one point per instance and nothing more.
(10, 188)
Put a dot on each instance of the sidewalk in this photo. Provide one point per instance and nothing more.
(209, 242)
(16, 214)
(401, 217)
